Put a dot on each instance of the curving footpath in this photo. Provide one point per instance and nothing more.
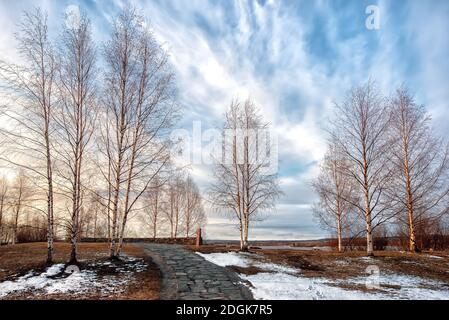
(188, 276)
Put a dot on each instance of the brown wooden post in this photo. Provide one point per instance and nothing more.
(199, 240)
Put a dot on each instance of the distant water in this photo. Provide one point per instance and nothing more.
(317, 248)
(295, 248)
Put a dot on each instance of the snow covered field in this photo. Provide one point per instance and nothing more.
(277, 281)
(95, 277)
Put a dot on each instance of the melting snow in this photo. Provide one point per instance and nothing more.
(227, 259)
(434, 257)
(244, 260)
(283, 282)
(31, 281)
(50, 281)
(281, 286)
(366, 258)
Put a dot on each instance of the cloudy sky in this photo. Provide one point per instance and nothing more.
(294, 58)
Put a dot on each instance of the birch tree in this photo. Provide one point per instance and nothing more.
(140, 108)
(96, 212)
(241, 187)
(175, 202)
(154, 201)
(3, 203)
(360, 130)
(336, 193)
(76, 115)
(420, 190)
(194, 216)
(18, 203)
(28, 90)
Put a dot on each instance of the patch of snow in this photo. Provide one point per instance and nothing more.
(281, 286)
(75, 283)
(275, 267)
(227, 259)
(341, 262)
(244, 260)
(401, 286)
(53, 270)
(434, 257)
(30, 281)
(284, 282)
(410, 262)
(366, 258)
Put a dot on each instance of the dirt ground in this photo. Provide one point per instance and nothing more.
(334, 265)
(19, 259)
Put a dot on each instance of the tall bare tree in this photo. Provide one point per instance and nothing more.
(96, 212)
(336, 193)
(420, 190)
(175, 197)
(153, 208)
(29, 91)
(3, 203)
(360, 130)
(20, 196)
(241, 186)
(139, 101)
(76, 115)
(194, 216)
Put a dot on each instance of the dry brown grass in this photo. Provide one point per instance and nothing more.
(20, 258)
(336, 265)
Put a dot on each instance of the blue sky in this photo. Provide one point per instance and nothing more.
(294, 58)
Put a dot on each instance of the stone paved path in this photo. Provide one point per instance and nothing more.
(188, 276)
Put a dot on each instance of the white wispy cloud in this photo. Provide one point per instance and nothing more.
(294, 59)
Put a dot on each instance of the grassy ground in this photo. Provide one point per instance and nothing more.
(334, 265)
(19, 259)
